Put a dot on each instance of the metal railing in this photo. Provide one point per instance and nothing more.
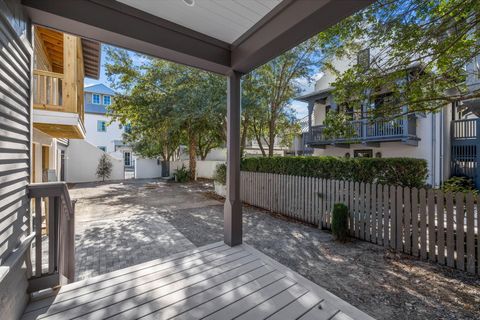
(53, 204)
(364, 130)
(465, 129)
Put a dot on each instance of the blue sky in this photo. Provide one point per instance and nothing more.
(299, 107)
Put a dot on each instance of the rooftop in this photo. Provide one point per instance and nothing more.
(99, 88)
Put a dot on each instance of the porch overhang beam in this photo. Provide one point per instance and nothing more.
(289, 24)
(114, 23)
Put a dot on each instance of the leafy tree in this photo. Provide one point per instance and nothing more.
(200, 104)
(268, 91)
(166, 105)
(104, 168)
(418, 53)
(142, 102)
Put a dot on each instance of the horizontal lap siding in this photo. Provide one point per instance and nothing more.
(15, 70)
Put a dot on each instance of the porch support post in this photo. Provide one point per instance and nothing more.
(232, 229)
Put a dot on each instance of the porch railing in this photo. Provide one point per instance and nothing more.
(465, 149)
(465, 129)
(52, 202)
(47, 90)
(365, 131)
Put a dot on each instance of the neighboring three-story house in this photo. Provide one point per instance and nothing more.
(61, 62)
(102, 132)
(448, 139)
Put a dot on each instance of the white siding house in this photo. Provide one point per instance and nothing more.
(423, 136)
(100, 130)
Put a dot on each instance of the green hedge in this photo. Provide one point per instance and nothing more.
(407, 172)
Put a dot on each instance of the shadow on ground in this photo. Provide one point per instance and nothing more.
(125, 223)
(379, 282)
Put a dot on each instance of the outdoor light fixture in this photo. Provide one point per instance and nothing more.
(189, 3)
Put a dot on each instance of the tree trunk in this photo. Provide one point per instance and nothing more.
(271, 137)
(259, 139)
(243, 139)
(192, 154)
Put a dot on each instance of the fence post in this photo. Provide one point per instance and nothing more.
(459, 230)
(393, 218)
(470, 233)
(399, 219)
(431, 226)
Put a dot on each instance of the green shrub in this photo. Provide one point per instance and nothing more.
(459, 184)
(220, 174)
(182, 174)
(104, 168)
(407, 172)
(340, 222)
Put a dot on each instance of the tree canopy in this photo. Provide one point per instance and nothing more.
(418, 52)
(166, 105)
(268, 92)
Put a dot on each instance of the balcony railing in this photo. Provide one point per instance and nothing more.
(402, 129)
(465, 149)
(465, 129)
(48, 90)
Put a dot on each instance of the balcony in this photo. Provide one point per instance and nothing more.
(58, 112)
(372, 133)
(465, 149)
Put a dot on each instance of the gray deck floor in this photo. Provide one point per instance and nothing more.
(211, 282)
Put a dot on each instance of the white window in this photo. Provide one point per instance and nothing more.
(96, 98)
(107, 100)
(127, 158)
(363, 58)
(101, 126)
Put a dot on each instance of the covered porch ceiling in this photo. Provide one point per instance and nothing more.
(218, 36)
(53, 44)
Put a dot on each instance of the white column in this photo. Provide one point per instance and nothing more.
(233, 205)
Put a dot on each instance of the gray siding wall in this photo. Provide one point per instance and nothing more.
(15, 81)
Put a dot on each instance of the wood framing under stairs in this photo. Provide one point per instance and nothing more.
(212, 282)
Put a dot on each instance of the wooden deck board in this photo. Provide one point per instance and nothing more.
(211, 282)
(270, 306)
(134, 277)
(121, 293)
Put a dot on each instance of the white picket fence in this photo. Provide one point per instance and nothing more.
(427, 223)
